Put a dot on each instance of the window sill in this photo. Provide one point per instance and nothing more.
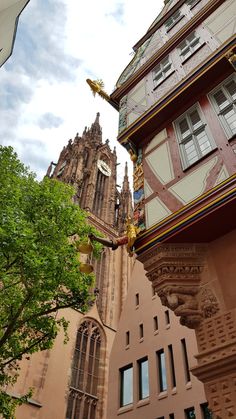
(174, 391)
(162, 81)
(193, 53)
(143, 402)
(127, 347)
(168, 326)
(141, 340)
(125, 409)
(162, 395)
(136, 307)
(29, 401)
(188, 385)
(156, 332)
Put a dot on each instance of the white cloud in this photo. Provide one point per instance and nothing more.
(44, 97)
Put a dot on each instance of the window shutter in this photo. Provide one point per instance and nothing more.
(195, 119)
(184, 128)
(231, 87)
(221, 99)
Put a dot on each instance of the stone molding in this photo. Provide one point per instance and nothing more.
(175, 272)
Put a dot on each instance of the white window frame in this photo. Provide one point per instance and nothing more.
(231, 103)
(163, 69)
(192, 136)
(189, 45)
(192, 3)
(173, 19)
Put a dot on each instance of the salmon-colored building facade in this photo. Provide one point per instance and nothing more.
(178, 121)
(158, 352)
(81, 380)
(160, 342)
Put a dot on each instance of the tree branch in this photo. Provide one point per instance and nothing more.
(13, 324)
(26, 350)
(44, 313)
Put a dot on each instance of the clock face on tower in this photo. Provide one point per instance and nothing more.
(104, 168)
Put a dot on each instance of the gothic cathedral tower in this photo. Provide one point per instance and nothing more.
(90, 166)
(71, 381)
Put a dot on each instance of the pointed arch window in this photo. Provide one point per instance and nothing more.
(83, 395)
(99, 194)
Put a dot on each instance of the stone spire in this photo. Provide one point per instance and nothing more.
(126, 207)
(96, 130)
(126, 187)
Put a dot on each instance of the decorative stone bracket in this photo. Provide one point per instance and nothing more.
(175, 273)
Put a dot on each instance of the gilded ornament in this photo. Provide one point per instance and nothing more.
(85, 268)
(97, 87)
(85, 247)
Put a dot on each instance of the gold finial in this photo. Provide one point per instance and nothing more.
(97, 87)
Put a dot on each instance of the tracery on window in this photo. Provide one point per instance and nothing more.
(83, 395)
(99, 193)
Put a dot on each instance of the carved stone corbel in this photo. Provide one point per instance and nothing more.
(175, 272)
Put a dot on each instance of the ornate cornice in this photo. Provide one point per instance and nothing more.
(175, 273)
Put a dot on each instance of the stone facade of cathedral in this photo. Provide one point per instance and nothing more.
(71, 381)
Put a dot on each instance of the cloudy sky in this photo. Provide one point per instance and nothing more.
(44, 98)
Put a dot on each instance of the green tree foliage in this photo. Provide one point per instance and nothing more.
(39, 265)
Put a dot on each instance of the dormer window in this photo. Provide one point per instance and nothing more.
(162, 71)
(191, 44)
(173, 19)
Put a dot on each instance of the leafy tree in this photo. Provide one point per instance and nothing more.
(39, 265)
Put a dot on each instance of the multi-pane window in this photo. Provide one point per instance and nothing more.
(173, 20)
(194, 138)
(224, 101)
(85, 371)
(190, 413)
(189, 45)
(126, 385)
(143, 379)
(162, 370)
(162, 71)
